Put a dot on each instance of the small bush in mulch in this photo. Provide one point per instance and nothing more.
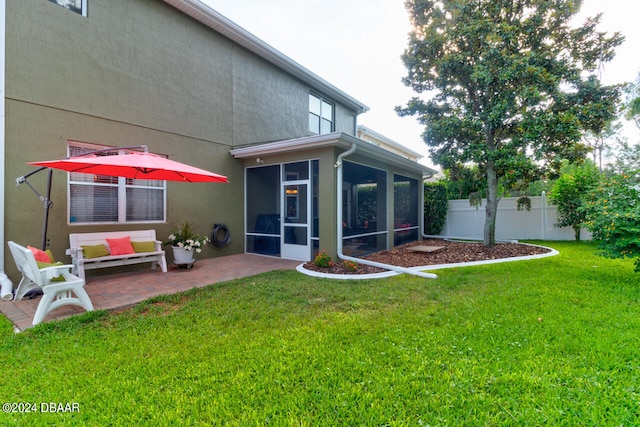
(324, 264)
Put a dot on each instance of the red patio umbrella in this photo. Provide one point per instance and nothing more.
(134, 165)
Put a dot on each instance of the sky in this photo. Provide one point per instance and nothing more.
(356, 46)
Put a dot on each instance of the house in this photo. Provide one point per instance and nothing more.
(180, 78)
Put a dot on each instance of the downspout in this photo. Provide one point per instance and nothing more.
(5, 283)
(395, 268)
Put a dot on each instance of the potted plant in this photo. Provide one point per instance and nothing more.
(185, 242)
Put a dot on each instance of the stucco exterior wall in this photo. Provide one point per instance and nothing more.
(267, 104)
(139, 62)
(270, 106)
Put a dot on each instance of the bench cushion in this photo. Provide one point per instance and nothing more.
(120, 245)
(95, 251)
(144, 246)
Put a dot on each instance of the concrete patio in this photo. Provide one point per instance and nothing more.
(119, 290)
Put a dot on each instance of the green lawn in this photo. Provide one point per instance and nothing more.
(554, 341)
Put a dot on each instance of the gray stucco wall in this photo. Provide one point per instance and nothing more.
(139, 62)
(145, 63)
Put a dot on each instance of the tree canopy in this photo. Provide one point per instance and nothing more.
(631, 106)
(507, 85)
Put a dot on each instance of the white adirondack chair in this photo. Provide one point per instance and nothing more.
(55, 293)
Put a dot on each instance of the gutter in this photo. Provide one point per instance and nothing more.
(342, 256)
(5, 283)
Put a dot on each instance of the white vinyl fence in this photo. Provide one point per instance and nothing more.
(465, 221)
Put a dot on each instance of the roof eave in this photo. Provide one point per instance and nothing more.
(337, 139)
(278, 147)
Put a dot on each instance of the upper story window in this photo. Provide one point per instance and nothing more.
(101, 199)
(320, 115)
(77, 6)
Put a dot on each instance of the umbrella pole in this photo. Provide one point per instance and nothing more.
(45, 199)
(47, 207)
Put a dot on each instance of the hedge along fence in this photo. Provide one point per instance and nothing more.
(538, 223)
(435, 207)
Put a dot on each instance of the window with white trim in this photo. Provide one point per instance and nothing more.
(320, 115)
(101, 199)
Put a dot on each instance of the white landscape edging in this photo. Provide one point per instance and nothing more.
(313, 273)
(301, 269)
(552, 252)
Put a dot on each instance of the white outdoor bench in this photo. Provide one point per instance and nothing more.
(59, 287)
(81, 262)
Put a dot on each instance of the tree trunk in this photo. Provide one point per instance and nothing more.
(576, 230)
(492, 205)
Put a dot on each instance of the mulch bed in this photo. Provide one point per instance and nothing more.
(452, 253)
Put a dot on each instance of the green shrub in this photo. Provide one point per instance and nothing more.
(613, 216)
(567, 194)
(350, 265)
(435, 207)
(323, 260)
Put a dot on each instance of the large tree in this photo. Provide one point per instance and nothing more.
(506, 84)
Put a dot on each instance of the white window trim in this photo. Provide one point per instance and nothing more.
(122, 187)
(333, 113)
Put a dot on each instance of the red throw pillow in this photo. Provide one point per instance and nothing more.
(39, 255)
(121, 246)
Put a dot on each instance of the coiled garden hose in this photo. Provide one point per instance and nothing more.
(226, 235)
